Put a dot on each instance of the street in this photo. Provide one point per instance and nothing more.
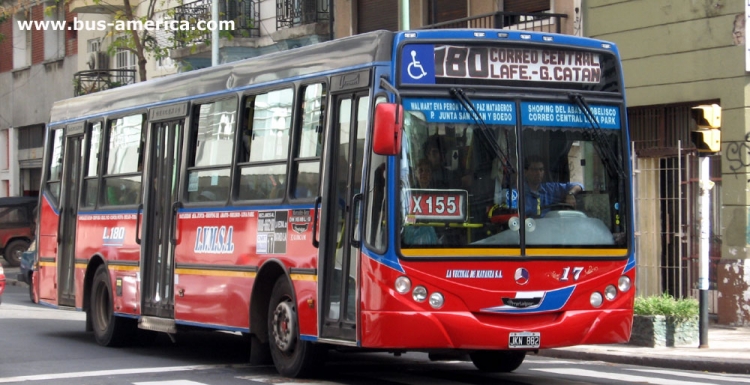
(45, 346)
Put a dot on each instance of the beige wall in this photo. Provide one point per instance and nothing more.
(677, 51)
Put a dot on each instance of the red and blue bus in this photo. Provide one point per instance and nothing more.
(442, 191)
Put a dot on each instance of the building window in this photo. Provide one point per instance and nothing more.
(54, 39)
(21, 42)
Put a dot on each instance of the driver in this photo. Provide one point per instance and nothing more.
(538, 195)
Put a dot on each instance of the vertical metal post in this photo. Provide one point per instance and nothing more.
(215, 33)
(680, 233)
(705, 225)
(404, 14)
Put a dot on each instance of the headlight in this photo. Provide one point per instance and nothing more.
(610, 292)
(419, 294)
(623, 283)
(596, 299)
(403, 285)
(436, 300)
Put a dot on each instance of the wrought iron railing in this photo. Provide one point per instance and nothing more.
(293, 13)
(244, 13)
(538, 21)
(88, 82)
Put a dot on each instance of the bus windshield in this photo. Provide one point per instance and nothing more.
(557, 189)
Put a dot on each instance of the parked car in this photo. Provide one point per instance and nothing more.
(17, 226)
(2, 283)
(28, 267)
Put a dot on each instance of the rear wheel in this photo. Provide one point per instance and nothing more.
(13, 252)
(291, 356)
(108, 329)
(497, 360)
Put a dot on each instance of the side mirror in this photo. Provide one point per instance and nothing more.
(389, 118)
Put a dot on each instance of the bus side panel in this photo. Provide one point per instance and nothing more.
(219, 253)
(112, 236)
(212, 260)
(47, 252)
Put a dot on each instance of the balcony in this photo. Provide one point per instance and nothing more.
(90, 81)
(91, 6)
(244, 13)
(538, 22)
(295, 13)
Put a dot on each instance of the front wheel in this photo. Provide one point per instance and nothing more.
(497, 361)
(13, 252)
(291, 356)
(109, 330)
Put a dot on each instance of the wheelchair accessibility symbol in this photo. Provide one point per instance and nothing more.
(415, 69)
(418, 64)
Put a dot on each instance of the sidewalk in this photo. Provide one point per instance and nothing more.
(728, 351)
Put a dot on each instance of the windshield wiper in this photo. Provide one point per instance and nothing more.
(459, 94)
(601, 145)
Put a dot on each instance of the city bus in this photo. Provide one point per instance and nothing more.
(446, 191)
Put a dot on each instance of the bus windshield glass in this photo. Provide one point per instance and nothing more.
(457, 189)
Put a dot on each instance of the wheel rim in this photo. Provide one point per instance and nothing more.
(284, 326)
(101, 306)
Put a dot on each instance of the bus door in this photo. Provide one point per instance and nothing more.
(159, 218)
(340, 223)
(66, 265)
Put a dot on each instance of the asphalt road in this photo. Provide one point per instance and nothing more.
(39, 345)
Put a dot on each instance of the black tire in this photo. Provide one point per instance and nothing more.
(108, 329)
(292, 357)
(13, 251)
(497, 361)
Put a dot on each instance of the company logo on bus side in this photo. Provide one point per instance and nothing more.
(214, 240)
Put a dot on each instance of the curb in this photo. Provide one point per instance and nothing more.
(701, 364)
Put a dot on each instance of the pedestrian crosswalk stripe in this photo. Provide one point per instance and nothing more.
(619, 377)
(705, 376)
(169, 382)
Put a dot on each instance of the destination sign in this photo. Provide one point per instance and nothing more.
(568, 115)
(438, 205)
(423, 64)
(451, 111)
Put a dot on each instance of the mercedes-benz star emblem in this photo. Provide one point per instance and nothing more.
(522, 276)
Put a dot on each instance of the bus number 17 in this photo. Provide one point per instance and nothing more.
(566, 273)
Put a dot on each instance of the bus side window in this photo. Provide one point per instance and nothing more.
(91, 173)
(122, 179)
(310, 139)
(211, 141)
(264, 146)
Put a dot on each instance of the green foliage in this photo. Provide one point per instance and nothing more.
(666, 305)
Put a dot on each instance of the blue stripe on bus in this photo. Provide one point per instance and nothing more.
(389, 258)
(492, 35)
(630, 265)
(551, 301)
(207, 209)
(212, 326)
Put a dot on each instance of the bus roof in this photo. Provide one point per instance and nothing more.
(308, 60)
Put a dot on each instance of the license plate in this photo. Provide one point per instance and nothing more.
(524, 340)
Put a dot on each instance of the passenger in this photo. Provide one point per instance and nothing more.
(442, 177)
(539, 195)
(415, 234)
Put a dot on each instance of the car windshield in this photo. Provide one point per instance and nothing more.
(458, 190)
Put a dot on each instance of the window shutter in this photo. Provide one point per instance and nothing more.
(527, 6)
(373, 15)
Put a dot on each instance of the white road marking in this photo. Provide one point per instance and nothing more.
(619, 377)
(169, 382)
(278, 380)
(720, 377)
(116, 372)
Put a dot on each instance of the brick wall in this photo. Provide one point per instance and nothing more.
(37, 36)
(6, 46)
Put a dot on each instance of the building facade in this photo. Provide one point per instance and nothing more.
(679, 55)
(36, 67)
